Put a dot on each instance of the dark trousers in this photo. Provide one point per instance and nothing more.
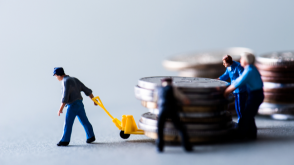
(247, 126)
(174, 116)
(240, 102)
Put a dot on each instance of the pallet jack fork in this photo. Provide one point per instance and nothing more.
(127, 125)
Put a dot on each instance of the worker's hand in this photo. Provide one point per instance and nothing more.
(61, 108)
(226, 94)
(59, 112)
(91, 97)
(186, 101)
(229, 90)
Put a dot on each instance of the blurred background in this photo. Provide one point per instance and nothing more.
(109, 45)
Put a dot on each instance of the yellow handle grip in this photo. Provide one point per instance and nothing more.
(99, 102)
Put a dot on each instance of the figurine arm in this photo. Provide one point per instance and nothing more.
(229, 90)
(242, 80)
(85, 89)
(91, 97)
(225, 76)
(178, 94)
(65, 94)
(240, 70)
(61, 109)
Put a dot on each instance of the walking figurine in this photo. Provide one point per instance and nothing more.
(72, 98)
(168, 108)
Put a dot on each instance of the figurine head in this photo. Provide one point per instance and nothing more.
(59, 73)
(227, 60)
(166, 81)
(247, 59)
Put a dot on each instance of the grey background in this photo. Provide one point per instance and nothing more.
(109, 45)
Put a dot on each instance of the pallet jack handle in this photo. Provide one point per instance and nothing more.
(98, 101)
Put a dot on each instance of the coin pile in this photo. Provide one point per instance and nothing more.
(207, 64)
(277, 73)
(206, 117)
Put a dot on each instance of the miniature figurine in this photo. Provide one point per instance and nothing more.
(252, 79)
(168, 108)
(72, 98)
(233, 71)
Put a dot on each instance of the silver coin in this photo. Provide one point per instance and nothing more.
(193, 114)
(151, 119)
(194, 99)
(276, 106)
(144, 94)
(277, 58)
(188, 84)
(207, 73)
(205, 59)
(228, 100)
(184, 74)
(272, 108)
(277, 85)
(192, 132)
(149, 95)
(282, 117)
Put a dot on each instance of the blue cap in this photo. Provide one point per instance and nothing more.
(58, 71)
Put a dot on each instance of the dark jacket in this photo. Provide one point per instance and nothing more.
(71, 89)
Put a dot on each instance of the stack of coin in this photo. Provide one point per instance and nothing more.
(277, 73)
(207, 64)
(206, 117)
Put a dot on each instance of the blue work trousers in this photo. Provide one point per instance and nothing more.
(76, 109)
(240, 101)
(247, 124)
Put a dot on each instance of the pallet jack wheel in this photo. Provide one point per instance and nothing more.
(123, 135)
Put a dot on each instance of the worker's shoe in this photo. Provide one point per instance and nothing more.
(62, 143)
(159, 148)
(90, 140)
(159, 145)
(251, 136)
(188, 148)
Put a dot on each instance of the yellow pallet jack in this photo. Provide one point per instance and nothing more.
(127, 125)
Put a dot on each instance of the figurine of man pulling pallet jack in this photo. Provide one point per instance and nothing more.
(252, 79)
(72, 98)
(168, 108)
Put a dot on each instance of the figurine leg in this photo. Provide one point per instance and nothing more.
(84, 121)
(160, 126)
(240, 102)
(182, 131)
(237, 106)
(247, 123)
(69, 120)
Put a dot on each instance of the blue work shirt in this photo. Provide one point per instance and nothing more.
(233, 72)
(250, 77)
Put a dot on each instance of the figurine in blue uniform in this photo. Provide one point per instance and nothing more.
(233, 71)
(168, 108)
(252, 79)
(72, 98)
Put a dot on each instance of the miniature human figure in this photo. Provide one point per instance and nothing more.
(168, 108)
(252, 79)
(72, 98)
(233, 71)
